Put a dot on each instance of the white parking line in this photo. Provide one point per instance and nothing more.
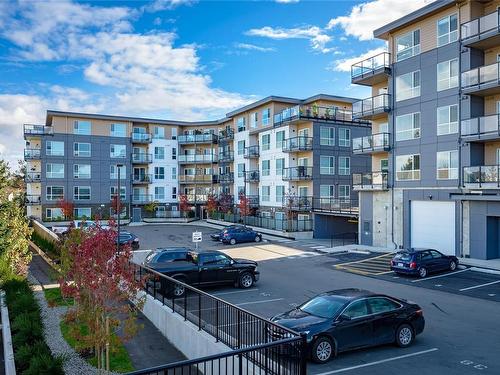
(435, 277)
(479, 286)
(262, 301)
(236, 291)
(378, 362)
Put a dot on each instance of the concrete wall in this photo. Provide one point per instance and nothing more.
(43, 232)
(478, 229)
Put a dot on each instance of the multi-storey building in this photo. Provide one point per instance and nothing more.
(435, 142)
(290, 158)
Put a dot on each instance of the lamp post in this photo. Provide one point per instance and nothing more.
(118, 209)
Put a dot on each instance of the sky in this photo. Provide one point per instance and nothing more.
(177, 59)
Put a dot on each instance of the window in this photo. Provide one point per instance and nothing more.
(174, 173)
(447, 74)
(408, 126)
(408, 86)
(82, 213)
(113, 172)
(327, 191)
(266, 116)
(266, 142)
(280, 193)
(53, 213)
(384, 165)
(174, 133)
(447, 165)
(253, 120)
(240, 123)
(118, 130)
(81, 171)
(174, 192)
(266, 193)
(160, 153)
(266, 167)
(280, 166)
(408, 45)
(344, 137)
(241, 170)
(344, 192)
(159, 132)
(174, 153)
(241, 147)
(54, 170)
(81, 193)
(159, 193)
(380, 305)
(327, 165)
(82, 127)
(447, 120)
(118, 151)
(54, 148)
(82, 149)
(54, 193)
(407, 167)
(356, 309)
(241, 190)
(113, 190)
(280, 139)
(344, 165)
(447, 30)
(159, 173)
(327, 136)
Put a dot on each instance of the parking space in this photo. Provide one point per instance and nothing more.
(374, 265)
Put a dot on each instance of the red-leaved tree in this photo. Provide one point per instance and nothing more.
(67, 208)
(244, 206)
(211, 204)
(184, 205)
(225, 202)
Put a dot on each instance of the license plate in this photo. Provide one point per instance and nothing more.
(400, 264)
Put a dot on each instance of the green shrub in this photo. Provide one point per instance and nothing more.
(26, 352)
(22, 304)
(48, 247)
(42, 364)
(26, 330)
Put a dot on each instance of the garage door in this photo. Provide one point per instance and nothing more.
(433, 225)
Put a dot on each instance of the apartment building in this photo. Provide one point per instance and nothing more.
(290, 158)
(435, 142)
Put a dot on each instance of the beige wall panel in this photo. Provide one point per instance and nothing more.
(491, 7)
(34, 166)
(490, 153)
(490, 56)
(490, 104)
(376, 158)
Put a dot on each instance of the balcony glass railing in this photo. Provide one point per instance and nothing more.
(141, 137)
(142, 178)
(30, 129)
(32, 153)
(481, 75)
(370, 106)
(370, 180)
(226, 177)
(338, 205)
(226, 134)
(196, 138)
(251, 152)
(311, 112)
(197, 158)
(141, 157)
(298, 144)
(481, 126)
(480, 26)
(297, 173)
(142, 198)
(226, 156)
(482, 176)
(371, 65)
(374, 142)
(198, 178)
(252, 176)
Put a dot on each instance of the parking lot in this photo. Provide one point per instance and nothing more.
(461, 335)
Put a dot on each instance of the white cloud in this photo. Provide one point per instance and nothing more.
(159, 5)
(344, 65)
(317, 36)
(366, 17)
(253, 47)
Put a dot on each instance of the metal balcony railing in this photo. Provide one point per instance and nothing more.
(251, 152)
(227, 156)
(296, 144)
(142, 198)
(252, 176)
(197, 158)
(298, 203)
(483, 176)
(141, 157)
(312, 112)
(197, 198)
(345, 206)
(371, 143)
(481, 126)
(142, 178)
(142, 138)
(253, 200)
(370, 181)
(371, 106)
(227, 134)
(31, 199)
(30, 129)
(297, 173)
(198, 178)
(481, 28)
(380, 63)
(226, 178)
(32, 153)
(197, 138)
(33, 177)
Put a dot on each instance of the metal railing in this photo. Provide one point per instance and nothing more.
(141, 157)
(478, 126)
(142, 138)
(374, 142)
(33, 177)
(197, 198)
(298, 203)
(142, 198)
(30, 129)
(161, 214)
(372, 105)
(482, 175)
(479, 26)
(336, 205)
(371, 65)
(197, 138)
(227, 156)
(251, 152)
(342, 239)
(226, 135)
(253, 200)
(226, 177)
(285, 225)
(252, 176)
(481, 75)
(142, 178)
(297, 173)
(197, 158)
(32, 153)
(198, 178)
(32, 199)
(312, 112)
(300, 143)
(371, 180)
(258, 345)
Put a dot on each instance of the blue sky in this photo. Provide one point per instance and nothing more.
(177, 59)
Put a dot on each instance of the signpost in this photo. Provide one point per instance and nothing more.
(197, 237)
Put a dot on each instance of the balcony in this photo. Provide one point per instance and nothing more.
(196, 158)
(372, 71)
(251, 152)
(481, 177)
(298, 203)
(32, 200)
(226, 178)
(481, 128)
(31, 130)
(138, 179)
(32, 154)
(226, 157)
(142, 198)
(299, 173)
(253, 201)
(482, 81)
(298, 144)
(372, 108)
(312, 113)
(196, 138)
(226, 135)
(338, 206)
(141, 158)
(252, 176)
(370, 144)
(197, 198)
(141, 138)
(198, 179)
(33, 177)
(370, 181)
(482, 32)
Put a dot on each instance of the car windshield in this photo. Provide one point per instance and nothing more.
(404, 255)
(150, 256)
(323, 306)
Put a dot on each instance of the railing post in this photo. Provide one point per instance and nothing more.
(216, 320)
(238, 324)
(199, 311)
(303, 354)
(185, 306)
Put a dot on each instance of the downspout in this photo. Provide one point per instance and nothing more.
(393, 158)
(460, 175)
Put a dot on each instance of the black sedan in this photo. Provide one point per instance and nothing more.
(349, 319)
(127, 238)
(421, 262)
(156, 258)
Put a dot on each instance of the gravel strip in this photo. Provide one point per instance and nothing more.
(51, 318)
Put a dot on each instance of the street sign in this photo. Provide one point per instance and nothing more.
(197, 236)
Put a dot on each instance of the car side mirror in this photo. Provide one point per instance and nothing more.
(232, 262)
(344, 318)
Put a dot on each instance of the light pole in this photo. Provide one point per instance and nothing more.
(118, 209)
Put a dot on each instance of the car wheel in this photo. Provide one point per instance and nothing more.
(422, 272)
(322, 350)
(232, 241)
(453, 265)
(178, 290)
(257, 239)
(404, 336)
(246, 280)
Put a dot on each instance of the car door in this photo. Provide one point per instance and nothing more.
(427, 261)
(249, 234)
(385, 313)
(441, 262)
(225, 270)
(356, 331)
(208, 269)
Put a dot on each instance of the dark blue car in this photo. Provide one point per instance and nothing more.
(421, 262)
(240, 234)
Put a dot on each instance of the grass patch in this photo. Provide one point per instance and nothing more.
(119, 360)
(55, 298)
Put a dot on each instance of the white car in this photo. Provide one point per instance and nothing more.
(79, 224)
